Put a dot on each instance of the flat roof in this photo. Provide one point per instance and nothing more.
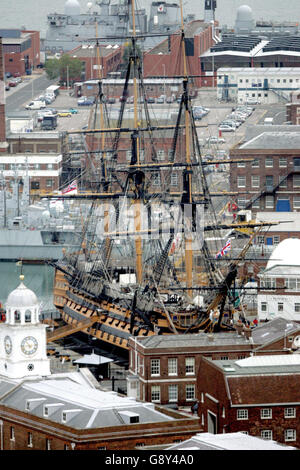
(191, 340)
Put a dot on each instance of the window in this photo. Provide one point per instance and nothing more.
(255, 181)
(269, 202)
(29, 439)
(269, 162)
(156, 180)
(266, 413)
(296, 181)
(255, 163)
(276, 239)
(290, 412)
(28, 316)
(48, 444)
(12, 433)
(49, 183)
(190, 392)
(155, 393)
(172, 366)
(174, 179)
(155, 366)
(241, 164)
(282, 162)
(241, 181)
(297, 307)
(190, 365)
(280, 307)
(263, 306)
(224, 358)
(128, 155)
(50, 166)
(173, 392)
(296, 202)
(160, 155)
(142, 155)
(290, 435)
(267, 434)
(241, 202)
(242, 414)
(170, 155)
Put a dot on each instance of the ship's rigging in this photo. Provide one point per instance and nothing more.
(85, 285)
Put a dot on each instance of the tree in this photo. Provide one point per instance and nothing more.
(128, 51)
(52, 68)
(66, 68)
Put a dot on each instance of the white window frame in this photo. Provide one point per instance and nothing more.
(155, 393)
(190, 366)
(282, 162)
(269, 162)
(172, 393)
(296, 202)
(190, 392)
(266, 434)
(172, 366)
(255, 181)
(242, 414)
(290, 412)
(290, 435)
(241, 181)
(266, 413)
(155, 367)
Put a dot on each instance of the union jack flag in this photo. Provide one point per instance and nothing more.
(224, 250)
(71, 188)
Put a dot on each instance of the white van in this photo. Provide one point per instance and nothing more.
(36, 105)
(268, 121)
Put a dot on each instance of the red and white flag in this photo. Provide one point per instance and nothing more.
(224, 250)
(160, 8)
(71, 189)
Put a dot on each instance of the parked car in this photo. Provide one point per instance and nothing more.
(122, 99)
(226, 128)
(64, 114)
(112, 100)
(215, 140)
(50, 110)
(35, 104)
(12, 83)
(160, 100)
(130, 99)
(18, 79)
(169, 99)
(85, 101)
(16, 74)
(150, 100)
(73, 110)
(7, 87)
(8, 75)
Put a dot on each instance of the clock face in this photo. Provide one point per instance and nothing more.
(29, 345)
(7, 344)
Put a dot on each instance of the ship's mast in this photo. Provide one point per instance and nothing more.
(137, 202)
(188, 173)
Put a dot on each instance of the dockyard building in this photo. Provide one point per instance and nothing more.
(41, 409)
(258, 396)
(165, 370)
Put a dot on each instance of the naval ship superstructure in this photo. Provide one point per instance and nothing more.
(67, 30)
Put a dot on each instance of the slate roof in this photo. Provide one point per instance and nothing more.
(88, 407)
(274, 140)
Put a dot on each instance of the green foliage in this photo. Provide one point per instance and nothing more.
(63, 68)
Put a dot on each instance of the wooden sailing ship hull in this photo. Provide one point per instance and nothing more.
(113, 322)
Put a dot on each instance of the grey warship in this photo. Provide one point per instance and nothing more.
(67, 30)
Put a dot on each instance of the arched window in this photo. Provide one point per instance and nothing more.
(28, 316)
(17, 316)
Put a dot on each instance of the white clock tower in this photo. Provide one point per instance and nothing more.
(23, 337)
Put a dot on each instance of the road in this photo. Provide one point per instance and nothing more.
(33, 86)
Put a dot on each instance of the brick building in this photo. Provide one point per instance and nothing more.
(42, 409)
(293, 109)
(258, 395)
(109, 60)
(271, 182)
(21, 50)
(166, 60)
(165, 369)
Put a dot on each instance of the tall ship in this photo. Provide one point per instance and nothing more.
(156, 264)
